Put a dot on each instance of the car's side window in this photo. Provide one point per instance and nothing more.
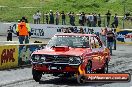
(92, 42)
(86, 41)
(95, 43)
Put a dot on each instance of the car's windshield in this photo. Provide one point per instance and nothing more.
(71, 41)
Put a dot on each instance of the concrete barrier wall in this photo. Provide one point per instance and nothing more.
(17, 55)
(44, 30)
(8, 56)
(24, 55)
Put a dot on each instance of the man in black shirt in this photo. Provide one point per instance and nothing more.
(110, 40)
(72, 19)
(63, 18)
(9, 34)
(51, 16)
(108, 14)
(83, 18)
(115, 23)
(95, 19)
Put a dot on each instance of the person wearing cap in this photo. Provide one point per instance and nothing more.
(110, 40)
(23, 31)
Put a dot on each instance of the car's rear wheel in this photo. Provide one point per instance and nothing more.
(36, 75)
(89, 67)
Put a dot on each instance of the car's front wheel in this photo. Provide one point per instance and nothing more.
(81, 79)
(36, 75)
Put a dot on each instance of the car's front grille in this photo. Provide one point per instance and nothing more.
(56, 59)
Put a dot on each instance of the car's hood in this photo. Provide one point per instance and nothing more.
(65, 51)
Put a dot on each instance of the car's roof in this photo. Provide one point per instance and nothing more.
(73, 34)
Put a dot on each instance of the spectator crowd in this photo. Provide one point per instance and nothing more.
(89, 19)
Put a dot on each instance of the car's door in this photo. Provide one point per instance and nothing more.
(104, 50)
(97, 52)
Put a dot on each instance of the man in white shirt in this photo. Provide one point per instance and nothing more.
(91, 20)
(35, 17)
(39, 16)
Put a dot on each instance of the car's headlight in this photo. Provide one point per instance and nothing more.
(35, 58)
(71, 59)
(74, 60)
(38, 58)
(43, 58)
